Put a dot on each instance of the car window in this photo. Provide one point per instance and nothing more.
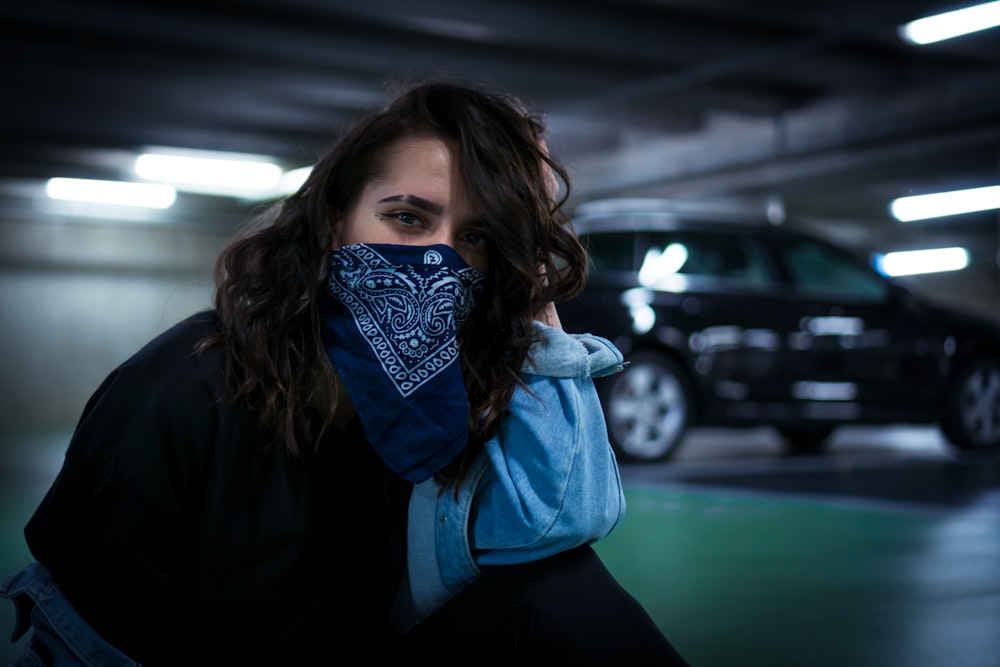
(611, 251)
(659, 257)
(709, 254)
(817, 268)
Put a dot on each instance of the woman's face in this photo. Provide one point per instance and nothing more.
(419, 199)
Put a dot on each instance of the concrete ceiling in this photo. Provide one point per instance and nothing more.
(817, 105)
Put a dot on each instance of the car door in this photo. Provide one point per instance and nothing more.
(718, 306)
(861, 350)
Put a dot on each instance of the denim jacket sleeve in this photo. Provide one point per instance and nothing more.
(41, 608)
(547, 482)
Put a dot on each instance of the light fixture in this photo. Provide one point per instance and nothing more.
(214, 173)
(913, 262)
(114, 193)
(941, 204)
(952, 24)
(292, 180)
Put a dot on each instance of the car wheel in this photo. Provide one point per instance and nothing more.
(647, 407)
(972, 415)
(801, 440)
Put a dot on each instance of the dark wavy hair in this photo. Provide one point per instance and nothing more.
(270, 276)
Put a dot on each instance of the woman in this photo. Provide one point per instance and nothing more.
(378, 440)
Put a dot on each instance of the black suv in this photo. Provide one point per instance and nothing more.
(730, 322)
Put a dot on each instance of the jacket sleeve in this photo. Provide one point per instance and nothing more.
(110, 528)
(552, 482)
(547, 482)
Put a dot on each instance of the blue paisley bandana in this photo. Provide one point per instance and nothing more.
(390, 333)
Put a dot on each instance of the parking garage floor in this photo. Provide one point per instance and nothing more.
(883, 552)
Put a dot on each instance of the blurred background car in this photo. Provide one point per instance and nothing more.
(729, 320)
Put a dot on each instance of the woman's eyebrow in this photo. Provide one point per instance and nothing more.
(414, 200)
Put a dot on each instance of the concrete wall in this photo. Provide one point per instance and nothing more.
(77, 298)
(971, 291)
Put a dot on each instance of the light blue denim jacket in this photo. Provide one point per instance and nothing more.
(546, 483)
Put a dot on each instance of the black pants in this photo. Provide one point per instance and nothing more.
(564, 610)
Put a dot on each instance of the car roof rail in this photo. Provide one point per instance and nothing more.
(771, 209)
(638, 212)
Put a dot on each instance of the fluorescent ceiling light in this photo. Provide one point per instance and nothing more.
(289, 183)
(952, 24)
(227, 174)
(292, 180)
(115, 193)
(913, 262)
(941, 204)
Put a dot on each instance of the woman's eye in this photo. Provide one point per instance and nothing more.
(407, 218)
(476, 240)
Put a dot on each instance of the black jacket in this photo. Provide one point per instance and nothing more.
(185, 535)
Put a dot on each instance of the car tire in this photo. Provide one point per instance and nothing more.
(972, 414)
(647, 407)
(803, 440)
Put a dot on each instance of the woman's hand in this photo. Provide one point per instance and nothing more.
(549, 315)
